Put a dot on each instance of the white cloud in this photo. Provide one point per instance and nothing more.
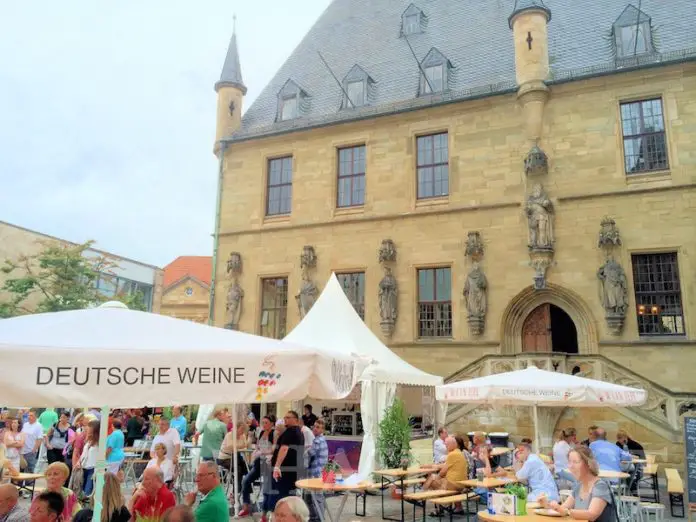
(107, 114)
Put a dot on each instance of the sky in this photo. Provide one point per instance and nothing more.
(107, 114)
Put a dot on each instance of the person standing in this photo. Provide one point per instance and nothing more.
(288, 457)
(213, 432)
(309, 418)
(57, 438)
(14, 442)
(213, 507)
(33, 435)
(88, 459)
(178, 422)
(170, 438)
(134, 428)
(264, 450)
(47, 419)
(114, 448)
(318, 457)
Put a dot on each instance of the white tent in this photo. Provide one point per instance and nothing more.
(114, 357)
(535, 387)
(333, 322)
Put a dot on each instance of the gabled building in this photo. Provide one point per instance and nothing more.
(186, 288)
(496, 183)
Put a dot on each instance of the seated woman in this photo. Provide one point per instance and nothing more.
(165, 465)
(227, 451)
(56, 475)
(592, 498)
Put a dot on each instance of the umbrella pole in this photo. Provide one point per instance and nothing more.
(100, 467)
(235, 463)
(536, 429)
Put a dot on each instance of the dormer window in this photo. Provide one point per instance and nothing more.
(357, 86)
(632, 33)
(288, 110)
(412, 21)
(435, 73)
(291, 101)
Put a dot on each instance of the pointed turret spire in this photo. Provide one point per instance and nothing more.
(231, 70)
(525, 5)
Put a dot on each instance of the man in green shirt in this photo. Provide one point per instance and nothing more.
(48, 419)
(213, 507)
(213, 432)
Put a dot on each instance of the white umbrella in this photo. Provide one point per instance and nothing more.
(535, 387)
(115, 357)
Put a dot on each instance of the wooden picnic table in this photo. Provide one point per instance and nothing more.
(21, 479)
(613, 474)
(484, 516)
(316, 485)
(488, 482)
(396, 477)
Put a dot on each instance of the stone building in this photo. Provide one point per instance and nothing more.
(496, 184)
(125, 276)
(186, 288)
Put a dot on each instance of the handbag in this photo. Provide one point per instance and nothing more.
(76, 479)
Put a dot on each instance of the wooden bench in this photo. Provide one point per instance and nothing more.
(649, 479)
(421, 498)
(449, 503)
(381, 487)
(675, 490)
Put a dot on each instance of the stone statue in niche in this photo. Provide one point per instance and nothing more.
(475, 290)
(539, 211)
(307, 295)
(536, 163)
(308, 259)
(388, 305)
(235, 296)
(614, 287)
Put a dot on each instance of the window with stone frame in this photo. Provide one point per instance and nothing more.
(351, 177)
(353, 285)
(432, 165)
(274, 307)
(435, 302)
(644, 138)
(279, 188)
(658, 294)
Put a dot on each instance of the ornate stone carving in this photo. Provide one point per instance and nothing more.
(540, 261)
(474, 246)
(536, 163)
(388, 302)
(308, 291)
(609, 235)
(388, 288)
(475, 294)
(539, 210)
(613, 293)
(387, 251)
(235, 293)
(613, 286)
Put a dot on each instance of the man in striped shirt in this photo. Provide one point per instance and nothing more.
(318, 457)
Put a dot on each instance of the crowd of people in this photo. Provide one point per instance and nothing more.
(577, 464)
(284, 451)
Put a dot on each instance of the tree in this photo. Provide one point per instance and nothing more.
(60, 277)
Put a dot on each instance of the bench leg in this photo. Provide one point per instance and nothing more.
(362, 496)
(677, 500)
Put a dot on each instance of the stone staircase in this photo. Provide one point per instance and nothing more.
(661, 413)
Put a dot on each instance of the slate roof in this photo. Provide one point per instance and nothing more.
(472, 34)
(198, 267)
(231, 70)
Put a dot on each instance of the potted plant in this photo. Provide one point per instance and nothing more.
(520, 492)
(394, 439)
(330, 472)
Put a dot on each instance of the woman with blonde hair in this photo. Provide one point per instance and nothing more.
(291, 509)
(227, 452)
(113, 504)
(160, 460)
(592, 498)
(213, 431)
(56, 475)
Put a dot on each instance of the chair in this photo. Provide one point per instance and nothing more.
(652, 512)
(629, 510)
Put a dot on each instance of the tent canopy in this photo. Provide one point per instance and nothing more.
(125, 358)
(535, 386)
(333, 322)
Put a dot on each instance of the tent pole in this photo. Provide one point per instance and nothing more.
(236, 456)
(100, 467)
(537, 446)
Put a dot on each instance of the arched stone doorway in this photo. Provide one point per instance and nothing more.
(529, 299)
(548, 328)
